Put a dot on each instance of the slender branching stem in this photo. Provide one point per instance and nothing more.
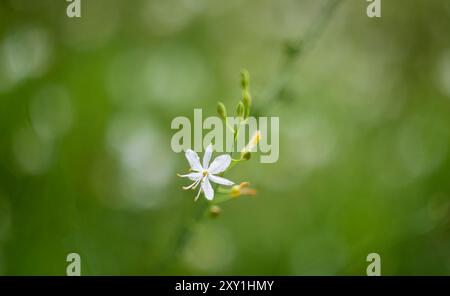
(293, 51)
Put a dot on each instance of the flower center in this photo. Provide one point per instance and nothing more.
(205, 173)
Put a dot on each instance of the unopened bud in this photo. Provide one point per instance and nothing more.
(247, 101)
(222, 110)
(255, 139)
(246, 155)
(235, 191)
(242, 189)
(244, 184)
(240, 109)
(214, 211)
(246, 98)
(245, 79)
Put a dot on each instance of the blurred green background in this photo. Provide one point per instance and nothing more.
(85, 158)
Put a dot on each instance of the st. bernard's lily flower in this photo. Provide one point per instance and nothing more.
(206, 173)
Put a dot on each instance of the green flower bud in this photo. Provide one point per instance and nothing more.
(214, 211)
(240, 109)
(245, 79)
(246, 155)
(247, 100)
(222, 110)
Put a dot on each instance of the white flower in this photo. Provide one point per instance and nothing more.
(206, 174)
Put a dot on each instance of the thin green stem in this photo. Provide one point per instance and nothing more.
(187, 229)
(294, 50)
(229, 126)
(183, 236)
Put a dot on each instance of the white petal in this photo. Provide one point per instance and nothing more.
(220, 180)
(207, 189)
(194, 160)
(219, 164)
(192, 176)
(207, 156)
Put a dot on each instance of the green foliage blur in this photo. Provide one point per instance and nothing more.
(86, 164)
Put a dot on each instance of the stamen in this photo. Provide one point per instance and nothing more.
(198, 182)
(198, 194)
(193, 185)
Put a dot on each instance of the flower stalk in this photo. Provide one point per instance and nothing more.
(293, 51)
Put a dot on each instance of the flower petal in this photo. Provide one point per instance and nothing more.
(194, 160)
(192, 176)
(219, 164)
(207, 189)
(207, 156)
(220, 180)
